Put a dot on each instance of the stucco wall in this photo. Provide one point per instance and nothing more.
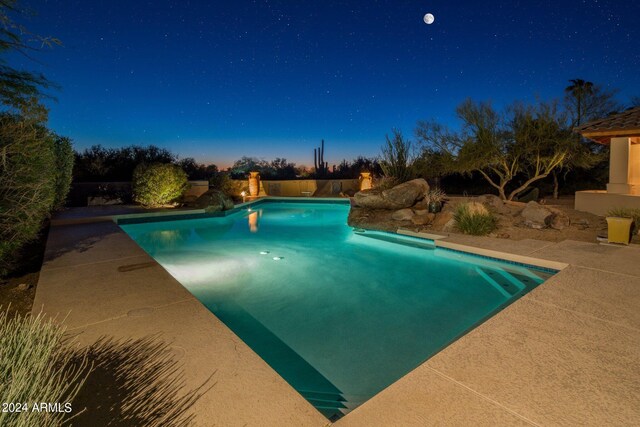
(302, 187)
(600, 202)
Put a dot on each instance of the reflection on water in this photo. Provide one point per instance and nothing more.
(166, 239)
(214, 231)
(253, 222)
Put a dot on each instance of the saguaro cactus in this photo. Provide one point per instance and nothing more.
(318, 160)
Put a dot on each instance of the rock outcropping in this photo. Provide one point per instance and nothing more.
(214, 201)
(538, 217)
(401, 196)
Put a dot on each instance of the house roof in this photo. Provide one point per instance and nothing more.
(625, 124)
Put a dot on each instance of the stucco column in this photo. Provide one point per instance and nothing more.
(623, 167)
(634, 166)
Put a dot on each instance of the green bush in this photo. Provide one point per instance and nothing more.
(36, 365)
(222, 181)
(64, 169)
(158, 184)
(28, 175)
(627, 213)
(474, 218)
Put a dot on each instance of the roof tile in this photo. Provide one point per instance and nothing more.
(627, 121)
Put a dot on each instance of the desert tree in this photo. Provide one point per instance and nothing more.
(547, 142)
(434, 162)
(522, 140)
(18, 88)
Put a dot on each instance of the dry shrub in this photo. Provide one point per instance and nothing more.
(37, 365)
(474, 218)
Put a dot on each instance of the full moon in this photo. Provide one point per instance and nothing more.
(429, 18)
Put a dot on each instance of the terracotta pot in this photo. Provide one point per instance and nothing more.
(365, 181)
(254, 184)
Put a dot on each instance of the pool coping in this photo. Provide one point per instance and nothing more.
(439, 241)
(171, 214)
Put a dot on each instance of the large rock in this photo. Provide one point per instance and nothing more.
(401, 196)
(449, 226)
(423, 219)
(442, 219)
(371, 198)
(421, 205)
(403, 215)
(407, 193)
(214, 201)
(495, 203)
(559, 220)
(372, 219)
(514, 208)
(536, 215)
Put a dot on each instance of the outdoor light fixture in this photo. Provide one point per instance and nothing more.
(244, 197)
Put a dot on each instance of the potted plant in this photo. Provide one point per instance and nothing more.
(619, 222)
(435, 197)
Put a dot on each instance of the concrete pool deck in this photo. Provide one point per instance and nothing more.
(565, 354)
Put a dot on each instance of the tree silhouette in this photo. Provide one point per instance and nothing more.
(587, 101)
(579, 89)
(18, 88)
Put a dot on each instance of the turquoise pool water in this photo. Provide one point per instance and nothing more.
(339, 314)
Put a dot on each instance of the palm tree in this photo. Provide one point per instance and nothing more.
(579, 89)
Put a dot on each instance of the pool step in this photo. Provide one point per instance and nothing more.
(507, 283)
(415, 242)
(331, 405)
(310, 383)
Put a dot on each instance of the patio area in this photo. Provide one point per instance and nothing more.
(621, 132)
(565, 354)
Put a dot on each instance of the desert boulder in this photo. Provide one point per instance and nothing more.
(401, 196)
(214, 201)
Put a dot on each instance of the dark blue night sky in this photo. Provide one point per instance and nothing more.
(217, 80)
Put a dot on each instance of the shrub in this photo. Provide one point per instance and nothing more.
(384, 182)
(64, 169)
(222, 181)
(474, 218)
(627, 213)
(397, 157)
(158, 184)
(28, 176)
(436, 194)
(36, 365)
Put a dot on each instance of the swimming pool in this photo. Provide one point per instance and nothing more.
(339, 313)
